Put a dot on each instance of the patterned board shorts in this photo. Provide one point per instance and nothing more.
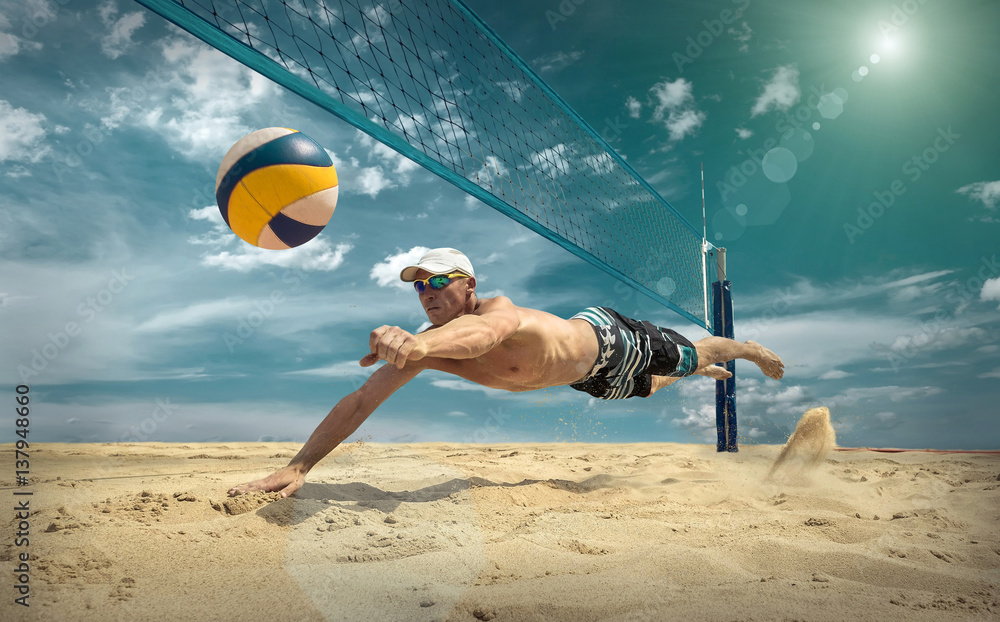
(631, 352)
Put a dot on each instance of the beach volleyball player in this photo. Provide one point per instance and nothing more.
(497, 344)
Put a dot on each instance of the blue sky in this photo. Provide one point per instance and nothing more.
(134, 314)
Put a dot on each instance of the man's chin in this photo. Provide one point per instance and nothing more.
(436, 315)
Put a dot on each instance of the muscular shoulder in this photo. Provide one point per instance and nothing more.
(501, 316)
(493, 305)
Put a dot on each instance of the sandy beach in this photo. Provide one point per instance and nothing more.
(567, 531)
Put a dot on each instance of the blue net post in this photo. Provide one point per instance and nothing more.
(725, 390)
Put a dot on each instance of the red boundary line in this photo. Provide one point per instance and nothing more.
(892, 450)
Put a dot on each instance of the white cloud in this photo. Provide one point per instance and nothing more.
(601, 163)
(193, 315)
(991, 290)
(743, 133)
(386, 272)
(742, 35)
(675, 106)
(371, 180)
(991, 374)
(918, 278)
(377, 15)
(700, 418)
(462, 385)
(671, 95)
(489, 174)
(790, 395)
(21, 135)
(11, 44)
(199, 102)
(915, 292)
(893, 393)
(556, 61)
(685, 122)
(940, 364)
(350, 369)
(401, 166)
(119, 38)
(513, 89)
(928, 341)
(634, 107)
(552, 160)
(9, 300)
(26, 17)
(313, 255)
(834, 374)
(819, 328)
(108, 10)
(780, 93)
(220, 235)
(812, 344)
(803, 293)
(986, 192)
(699, 386)
(119, 108)
(17, 171)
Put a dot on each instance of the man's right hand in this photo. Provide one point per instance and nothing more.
(286, 481)
(393, 345)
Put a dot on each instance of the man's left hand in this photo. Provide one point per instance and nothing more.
(393, 345)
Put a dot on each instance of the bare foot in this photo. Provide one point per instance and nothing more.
(769, 362)
(714, 371)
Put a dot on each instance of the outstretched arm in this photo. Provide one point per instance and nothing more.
(346, 417)
(465, 337)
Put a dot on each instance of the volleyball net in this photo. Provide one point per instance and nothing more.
(431, 80)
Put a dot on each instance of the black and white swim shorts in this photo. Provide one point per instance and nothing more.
(631, 352)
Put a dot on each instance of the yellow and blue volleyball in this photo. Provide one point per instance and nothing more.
(276, 188)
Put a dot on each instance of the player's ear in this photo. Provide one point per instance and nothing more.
(471, 284)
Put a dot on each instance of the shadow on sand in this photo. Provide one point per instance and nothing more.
(360, 497)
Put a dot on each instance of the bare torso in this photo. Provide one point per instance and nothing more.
(544, 351)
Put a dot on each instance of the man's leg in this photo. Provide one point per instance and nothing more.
(712, 371)
(712, 350)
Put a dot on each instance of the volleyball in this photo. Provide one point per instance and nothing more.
(276, 188)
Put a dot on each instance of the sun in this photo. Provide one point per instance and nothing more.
(891, 44)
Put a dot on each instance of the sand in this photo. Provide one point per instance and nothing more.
(566, 531)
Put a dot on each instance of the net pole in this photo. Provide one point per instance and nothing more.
(725, 390)
(704, 251)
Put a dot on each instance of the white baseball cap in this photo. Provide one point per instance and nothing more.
(439, 261)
